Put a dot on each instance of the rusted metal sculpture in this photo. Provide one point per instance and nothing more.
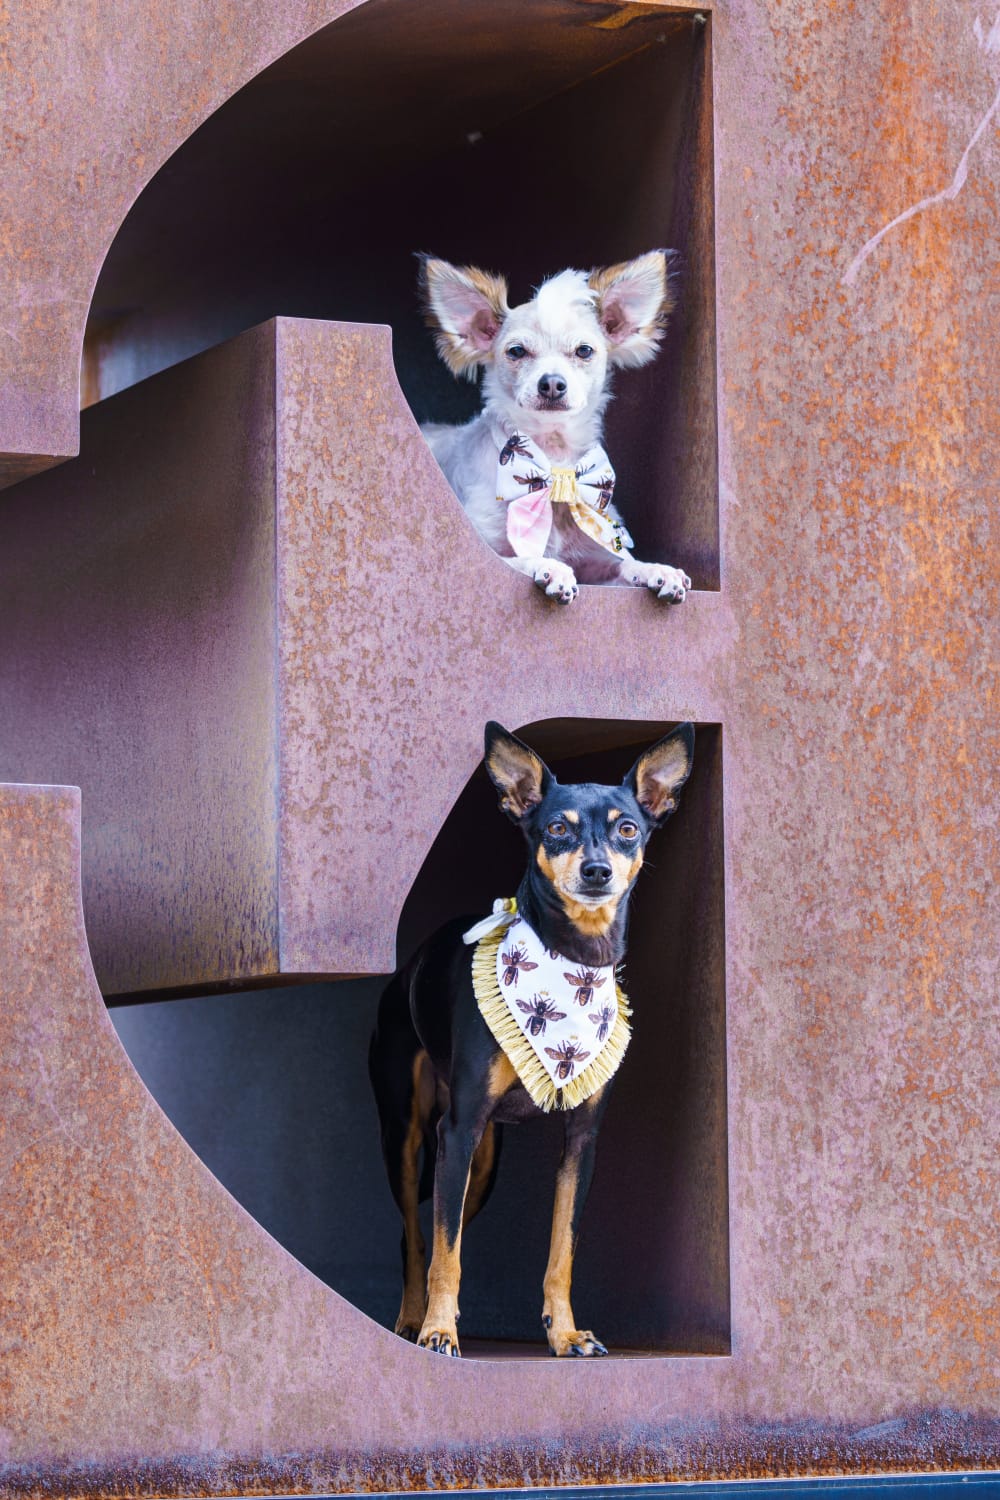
(219, 552)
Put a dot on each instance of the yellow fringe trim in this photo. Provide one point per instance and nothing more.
(526, 1063)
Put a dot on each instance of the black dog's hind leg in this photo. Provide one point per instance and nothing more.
(483, 1172)
(404, 1088)
(572, 1185)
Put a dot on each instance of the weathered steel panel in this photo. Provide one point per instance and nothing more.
(401, 633)
(155, 1339)
(137, 608)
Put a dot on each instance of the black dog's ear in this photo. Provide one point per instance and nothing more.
(658, 775)
(520, 776)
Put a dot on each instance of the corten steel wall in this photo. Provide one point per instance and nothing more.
(153, 1336)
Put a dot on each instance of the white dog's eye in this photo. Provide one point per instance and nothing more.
(583, 351)
(516, 351)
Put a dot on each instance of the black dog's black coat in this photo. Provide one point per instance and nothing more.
(443, 1086)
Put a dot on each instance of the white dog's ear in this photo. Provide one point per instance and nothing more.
(634, 301)
(466, 308)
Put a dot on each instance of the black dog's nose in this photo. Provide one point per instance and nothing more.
(552, 387)
(595, 872)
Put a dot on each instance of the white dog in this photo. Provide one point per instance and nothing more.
(530, 470)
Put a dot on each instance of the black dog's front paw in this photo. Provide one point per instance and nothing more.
(440, 1341)
(573, 1341)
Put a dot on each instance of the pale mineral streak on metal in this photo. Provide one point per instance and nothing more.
(989, 43)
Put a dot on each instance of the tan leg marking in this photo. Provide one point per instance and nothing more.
(414, 1303)
(440, 1327)
(502, 1076)
(557, 1313)
(479, 1173)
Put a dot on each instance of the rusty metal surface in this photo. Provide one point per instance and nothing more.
(227, 770)
(84, 130)
(138, 620)
(370, 658)
(158, 1342)
(849, 658)
(97, 99)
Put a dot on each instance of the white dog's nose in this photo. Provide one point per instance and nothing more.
(552, 387)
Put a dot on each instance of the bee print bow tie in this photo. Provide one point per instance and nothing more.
(529, 486)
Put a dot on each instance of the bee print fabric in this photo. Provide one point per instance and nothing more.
(529, 486)
(563, 1025)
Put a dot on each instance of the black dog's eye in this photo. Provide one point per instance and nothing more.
(557, 828)
(628, 829)
(516, 351)
(583, 351)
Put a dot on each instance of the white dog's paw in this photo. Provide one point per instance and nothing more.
(665, 582)
(558, 581)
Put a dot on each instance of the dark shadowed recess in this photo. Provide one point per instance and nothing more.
(520, 137)
(271, 1090)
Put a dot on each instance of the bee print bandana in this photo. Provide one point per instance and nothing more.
(563, 1026)
(529, 486)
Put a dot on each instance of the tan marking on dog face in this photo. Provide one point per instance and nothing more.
(563, 873)
(592, 921)
(571, 817)
(625, 866)
(563, 869)
(613, 813)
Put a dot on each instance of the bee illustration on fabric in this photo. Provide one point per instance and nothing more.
(586, 982)
(514, 960)
(567, 1056)
(604, 485)
(532, 482)
(514, 444)
(539, 1010)
(601, 1019)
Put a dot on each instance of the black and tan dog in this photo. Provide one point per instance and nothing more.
(445, 1086)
